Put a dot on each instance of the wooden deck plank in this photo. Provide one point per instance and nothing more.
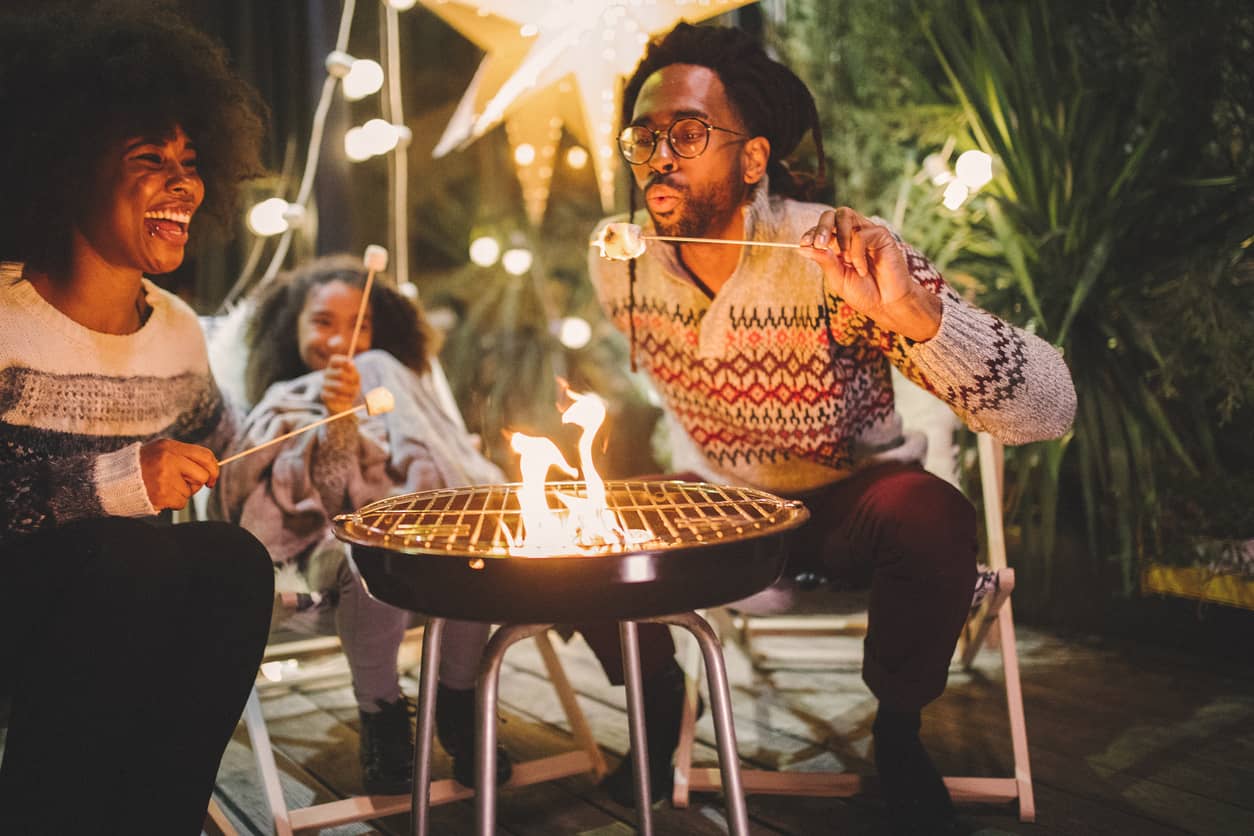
(1124, 740)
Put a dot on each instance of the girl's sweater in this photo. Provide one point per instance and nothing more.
(76, 404)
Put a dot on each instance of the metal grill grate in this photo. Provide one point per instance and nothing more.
(486, 521)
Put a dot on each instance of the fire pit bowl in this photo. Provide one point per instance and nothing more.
(460, 553)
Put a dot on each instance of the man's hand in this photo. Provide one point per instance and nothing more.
(341, 385)
(866, 267)
(172, 471)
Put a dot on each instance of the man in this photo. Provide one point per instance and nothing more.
(777, 363)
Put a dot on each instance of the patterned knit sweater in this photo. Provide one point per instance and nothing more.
(76, 404)
(783, 386)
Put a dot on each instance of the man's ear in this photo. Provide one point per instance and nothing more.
(754, 157)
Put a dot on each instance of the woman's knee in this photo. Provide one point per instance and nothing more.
(227, 558)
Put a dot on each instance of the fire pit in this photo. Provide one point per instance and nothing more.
(656, 551)
(461, 553)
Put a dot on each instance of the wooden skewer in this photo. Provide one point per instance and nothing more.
(376, 258)
(378, 401)
(720, 241)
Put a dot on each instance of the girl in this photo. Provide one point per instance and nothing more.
(298, 371)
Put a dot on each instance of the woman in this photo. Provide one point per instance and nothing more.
(286, 494)
(129, 647)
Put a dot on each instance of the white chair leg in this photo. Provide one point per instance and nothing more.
(1014, 706)
(266, 766)
(574, 715)
(687, 737)
(216, 822)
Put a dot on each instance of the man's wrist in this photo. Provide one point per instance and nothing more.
(917, 316)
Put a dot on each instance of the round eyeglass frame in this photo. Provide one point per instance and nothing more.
(656, 135)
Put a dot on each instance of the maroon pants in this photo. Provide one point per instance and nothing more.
(908, 535)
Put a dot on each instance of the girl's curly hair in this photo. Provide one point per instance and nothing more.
(75, 80)
(399, 326)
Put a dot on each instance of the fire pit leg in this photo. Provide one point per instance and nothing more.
(485, 717)
(635, 722)
(421, 798)
(720, 703)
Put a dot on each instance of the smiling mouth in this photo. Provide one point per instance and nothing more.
(168, 224)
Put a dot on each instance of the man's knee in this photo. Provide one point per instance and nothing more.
(936, 525)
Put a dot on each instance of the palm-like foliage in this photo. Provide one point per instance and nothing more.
(1111, 198)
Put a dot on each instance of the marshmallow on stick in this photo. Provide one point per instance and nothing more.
(624, 241)
(376, 261)
(378, 401)
(620, 241)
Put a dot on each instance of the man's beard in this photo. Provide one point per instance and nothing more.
(699, 213)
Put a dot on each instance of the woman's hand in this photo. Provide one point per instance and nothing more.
(341, 385)
(172, 471)
(866, 266)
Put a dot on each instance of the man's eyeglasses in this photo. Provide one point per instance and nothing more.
(688, 138)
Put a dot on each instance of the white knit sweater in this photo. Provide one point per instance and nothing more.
(76, 404)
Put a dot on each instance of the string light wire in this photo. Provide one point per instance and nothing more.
(311, 164)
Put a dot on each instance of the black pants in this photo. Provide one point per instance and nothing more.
(129, 650)
(908, 535)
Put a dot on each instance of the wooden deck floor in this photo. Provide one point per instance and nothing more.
(1124, 740)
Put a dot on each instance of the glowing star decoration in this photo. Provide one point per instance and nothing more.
(554, 65)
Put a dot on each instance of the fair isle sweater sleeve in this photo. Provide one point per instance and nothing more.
(997, 378)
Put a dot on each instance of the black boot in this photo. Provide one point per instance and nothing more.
(663, 712)
(455, 727)
(387, 749)
(914, 792)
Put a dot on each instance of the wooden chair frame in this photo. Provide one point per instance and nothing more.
(586, 758)
(994, 613)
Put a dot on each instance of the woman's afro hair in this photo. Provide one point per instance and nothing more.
(76, 79)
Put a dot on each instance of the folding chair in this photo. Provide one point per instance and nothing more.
(586, 758)
(990, 610)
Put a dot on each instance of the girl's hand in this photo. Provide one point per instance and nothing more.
(866, 266)
(172, 471)
(341, 385)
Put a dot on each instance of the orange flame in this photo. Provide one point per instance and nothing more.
(542, 527)
(586, 522)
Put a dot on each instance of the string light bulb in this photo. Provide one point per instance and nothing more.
(364, 78)
(357, 145)
(937, 170)
(376, 137)
(577, 157)
(516, 261)
(485, 251)
(974, 168)
(267, 217)
(574, 332)
(525, 154)
(955, 193)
